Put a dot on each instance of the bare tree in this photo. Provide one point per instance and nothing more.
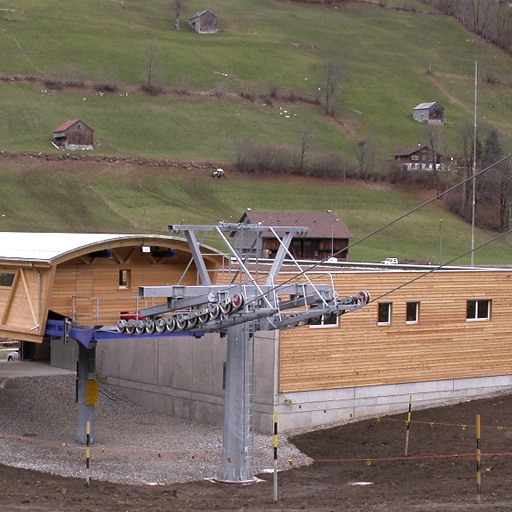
(466, 160)
(152, 52)
(335, 74)
(366, 151)
(178, 11)
(305, 143)
(433, 136)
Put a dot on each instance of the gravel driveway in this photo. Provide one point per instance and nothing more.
(38, 423)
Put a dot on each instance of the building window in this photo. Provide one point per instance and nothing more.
(324, 321)
(6, 279)
(125, 279)
(412, 312)
(478, 310)
(384, 313)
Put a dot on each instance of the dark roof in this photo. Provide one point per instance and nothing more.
(68, 124)
(411, 150)
(320, 225)
(199, 14)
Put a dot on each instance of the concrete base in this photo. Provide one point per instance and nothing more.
(316, 408)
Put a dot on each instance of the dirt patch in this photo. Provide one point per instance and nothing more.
(360, 467)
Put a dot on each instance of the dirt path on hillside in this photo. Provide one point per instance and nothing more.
(360, 467)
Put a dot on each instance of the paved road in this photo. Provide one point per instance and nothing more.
(13, 369)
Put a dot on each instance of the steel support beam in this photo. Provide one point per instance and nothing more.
(237, 446)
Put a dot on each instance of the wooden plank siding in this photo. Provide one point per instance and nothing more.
(442, 345)
(22, 304)
(100, 278)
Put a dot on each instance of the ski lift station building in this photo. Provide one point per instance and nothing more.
(446, 335)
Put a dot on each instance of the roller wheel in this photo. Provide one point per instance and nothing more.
(204, 316)
(160, 325)
(140, 327)
(214, 311)
(121, 326)
(238, 301)
(181, 322)
(192, 322)
(150, 326)
(226, 306)
(170, 324)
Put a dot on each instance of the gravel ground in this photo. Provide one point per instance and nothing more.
(38, 424)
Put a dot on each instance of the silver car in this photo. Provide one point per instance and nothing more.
(13, 356)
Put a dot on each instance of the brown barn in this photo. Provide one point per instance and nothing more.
(419, 158)
(327, 235)
(73, 134)
(204, 22)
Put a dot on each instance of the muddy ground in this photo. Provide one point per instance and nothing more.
(359, 467)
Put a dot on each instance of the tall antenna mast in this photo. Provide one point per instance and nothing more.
(473, 203)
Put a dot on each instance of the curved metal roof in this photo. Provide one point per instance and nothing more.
(47, 247)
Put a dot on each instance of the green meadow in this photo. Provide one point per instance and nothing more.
(106, 200)
(262, 46)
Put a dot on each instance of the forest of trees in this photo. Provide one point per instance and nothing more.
(490, 19)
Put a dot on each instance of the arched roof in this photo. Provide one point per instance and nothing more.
(56, 247)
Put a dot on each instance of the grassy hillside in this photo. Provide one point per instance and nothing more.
(36, 196)
(262, 44)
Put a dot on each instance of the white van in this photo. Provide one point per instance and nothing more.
(390, 261)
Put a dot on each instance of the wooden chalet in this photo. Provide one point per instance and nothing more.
(204, 22)
(60, 275)
(430, 113)
(327, 235)
(73, 134)
(419, 158)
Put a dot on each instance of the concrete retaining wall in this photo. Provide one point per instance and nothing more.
(316, 408)
(183, 377)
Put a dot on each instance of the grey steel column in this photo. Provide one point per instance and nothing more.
(237, 448)
(86, 371)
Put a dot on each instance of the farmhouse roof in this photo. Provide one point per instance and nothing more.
(411, 150)
(199, 14)
(320, 225)
(68, 124)
(422, 106)
(47, 247)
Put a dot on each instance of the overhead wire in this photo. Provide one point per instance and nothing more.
(394, 221)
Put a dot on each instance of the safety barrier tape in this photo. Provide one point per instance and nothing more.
(366, 460)
(433, 424)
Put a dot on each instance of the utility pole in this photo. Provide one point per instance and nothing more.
(473, 203)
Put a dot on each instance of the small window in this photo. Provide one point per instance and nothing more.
(412, 312)
(324, 321)
(384, 313)
(478, 310)
(6, 279)
(125, 279)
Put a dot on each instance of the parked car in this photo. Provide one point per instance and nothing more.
(390, 261)
(13, 356)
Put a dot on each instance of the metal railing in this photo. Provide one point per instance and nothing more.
(100, 312)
